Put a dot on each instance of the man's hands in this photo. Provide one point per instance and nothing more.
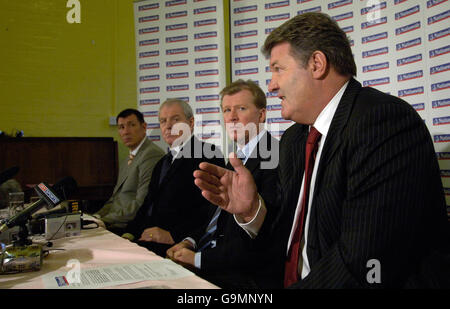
(156, 234)
(182, 253)
(233, 191)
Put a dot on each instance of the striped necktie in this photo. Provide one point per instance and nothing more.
(130, 158)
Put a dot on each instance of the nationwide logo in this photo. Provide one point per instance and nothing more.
(206, 123)
(204, 10)
(151, 114)
(441, 138)
(176, 14)
(409, 60)
(439, 34)
(149, 102)
(245, 9)
(373, 23)
(269, 30)
(419, 106)
(148, 78)
(375, 52)
(275, 5)
(203, 98)
(246, 46)
(438, 17)
(410, 75)
(200, 48)
(247, 21)
(153, 53)
(174, 39)
(440, 68)
(149, 42)
(147, 19)
(176, 27)
(445, 173)
(186, 99)
(408, 44)
(154, 138)
(177, 63)
(246, 59)
(373, 8)
(343, 16)
(271, 18)
(211, 135)
(246, 71)
(376, 67)
(206, 85)
(176, 51)
(148, 30)
(374, 37)
(432, 3)
(245, 34)
(147, 7)
(439, 51)
(440, 86)
(177, 88)
(152, 126)
(411, 91)
(440, 103)
(441, 120)
(348, 29)
(313, 9)
(272, 94)
(376, 82)
(175, 2)
(177, 75)
(206, 73)
(277, 120)
(204, 35)
(148, 66)
(303, 1)
(338, 4)
(206, 60)
(407, 28)
(274, 107)
(149, 90)
(443, 155)
(408, 12)
(207, 110)
(399, 1)
(206, 22)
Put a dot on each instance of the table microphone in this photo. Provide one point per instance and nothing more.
(50, 195)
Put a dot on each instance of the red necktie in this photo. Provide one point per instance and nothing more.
(291, 267)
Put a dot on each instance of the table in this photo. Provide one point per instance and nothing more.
(96, 248)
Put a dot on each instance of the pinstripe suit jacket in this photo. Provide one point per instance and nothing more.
(378, 195)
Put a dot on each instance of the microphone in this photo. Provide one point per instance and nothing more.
(51, 196)
(8, 174)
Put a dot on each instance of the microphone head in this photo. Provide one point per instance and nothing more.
(65, 187)
(8, 174)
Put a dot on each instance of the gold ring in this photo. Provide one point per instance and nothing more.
(151, 235)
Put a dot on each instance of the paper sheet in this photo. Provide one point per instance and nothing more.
(112, 275)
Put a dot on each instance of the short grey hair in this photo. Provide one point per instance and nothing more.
(187, 110)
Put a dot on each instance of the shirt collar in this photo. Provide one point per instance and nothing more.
(135, 151)
(323, 121)
(250, 146)
(175, 150)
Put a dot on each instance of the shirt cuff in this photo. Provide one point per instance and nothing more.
(252, 227)
(197, 260)
(192, 241)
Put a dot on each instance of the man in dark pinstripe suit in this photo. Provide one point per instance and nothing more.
(376, 213)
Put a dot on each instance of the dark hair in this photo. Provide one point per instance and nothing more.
(259, 97)
(311, 32)
(130, 111)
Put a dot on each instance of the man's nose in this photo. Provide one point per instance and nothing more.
(273, 86)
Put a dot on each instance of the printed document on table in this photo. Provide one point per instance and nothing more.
(112, 275)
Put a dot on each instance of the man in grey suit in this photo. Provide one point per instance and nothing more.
(134, 174)
(360, 202)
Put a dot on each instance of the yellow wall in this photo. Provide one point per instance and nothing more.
(61, 79)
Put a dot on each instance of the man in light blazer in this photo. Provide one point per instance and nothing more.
(376, 214)
(219, 254)
(134, 173)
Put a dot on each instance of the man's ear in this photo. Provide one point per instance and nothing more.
(318, 63)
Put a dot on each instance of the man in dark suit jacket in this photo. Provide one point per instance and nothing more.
(174, 206)
(376, 215)
(222, 257)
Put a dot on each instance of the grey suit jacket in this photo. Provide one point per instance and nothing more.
(132, 186)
